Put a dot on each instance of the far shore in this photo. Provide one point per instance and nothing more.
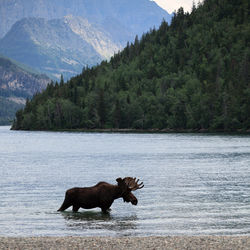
(155, 130)
(152, 242)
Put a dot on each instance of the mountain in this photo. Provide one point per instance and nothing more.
(58, 46)
(17, 83)
(190, 75)
(60, 37)
(98, 38)
(123, 19)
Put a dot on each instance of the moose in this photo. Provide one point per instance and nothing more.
(101, 195)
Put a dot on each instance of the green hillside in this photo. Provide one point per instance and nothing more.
(193, 74)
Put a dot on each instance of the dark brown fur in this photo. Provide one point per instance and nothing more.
(101, 195)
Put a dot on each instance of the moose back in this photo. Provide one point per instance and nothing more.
(101, 195)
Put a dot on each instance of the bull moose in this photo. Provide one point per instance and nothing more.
(101, 195)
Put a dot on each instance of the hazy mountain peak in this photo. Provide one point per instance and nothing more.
(99, 39)
(137, 15)
(58, 46)
(61, 37)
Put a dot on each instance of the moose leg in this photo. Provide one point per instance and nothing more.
(105, 210)
(75, 208)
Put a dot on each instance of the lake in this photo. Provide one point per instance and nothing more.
(195, 184)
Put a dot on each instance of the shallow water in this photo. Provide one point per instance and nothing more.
(194, 184)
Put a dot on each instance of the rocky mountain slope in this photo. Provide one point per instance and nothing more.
(61, 37)
(123, 18)
(58, 46)
(16, 84)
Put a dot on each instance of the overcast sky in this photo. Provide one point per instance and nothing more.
(172, 5)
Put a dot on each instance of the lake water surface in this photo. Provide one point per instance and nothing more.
(195, 184)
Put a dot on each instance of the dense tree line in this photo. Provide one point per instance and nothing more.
(192, 74)
(8, 109)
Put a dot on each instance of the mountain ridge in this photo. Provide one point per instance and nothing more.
(41, 31)
(100, 41)
(57, 46)
(135, 15)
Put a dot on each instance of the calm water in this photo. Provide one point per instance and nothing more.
(194, 184)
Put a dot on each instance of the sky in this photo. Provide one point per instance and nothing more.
(172, 5)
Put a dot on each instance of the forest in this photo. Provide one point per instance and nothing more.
(192, 74)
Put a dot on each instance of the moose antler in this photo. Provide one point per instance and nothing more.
(132, 183)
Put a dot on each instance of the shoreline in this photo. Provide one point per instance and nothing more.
(151, 242)
(142, 131)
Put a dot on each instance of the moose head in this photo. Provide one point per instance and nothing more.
(101, 195)
(127, 185)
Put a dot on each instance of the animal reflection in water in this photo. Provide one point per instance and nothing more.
(89, 220)
(101, 195)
